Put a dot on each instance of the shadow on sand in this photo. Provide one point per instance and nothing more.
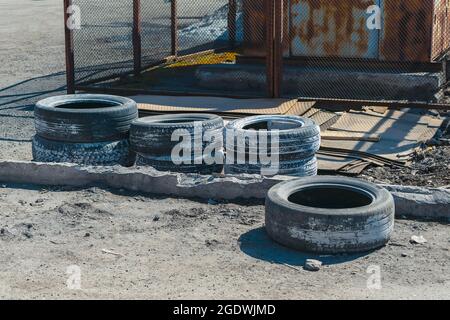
(257, 244)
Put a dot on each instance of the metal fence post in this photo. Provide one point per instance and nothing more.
(69, 53)
(174, 27)
(446, 68)
(137, 45)
(232, 13)
(278, 47)
(269, 13)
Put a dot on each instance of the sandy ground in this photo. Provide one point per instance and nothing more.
(31, 65)
(173, 248)
(159, 247)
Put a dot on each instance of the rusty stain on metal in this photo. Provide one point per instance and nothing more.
(332, 28)
(255, 25)
(439, 28)
(338, 28)
(407, 30)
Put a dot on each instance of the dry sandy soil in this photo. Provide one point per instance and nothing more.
(173, 248)
(142, 246)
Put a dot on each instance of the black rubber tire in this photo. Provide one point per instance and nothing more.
(169, 166)
(298, 144)
(99, 153)
(298, 168)
(152, 135)
(350, 228)
(92, 118)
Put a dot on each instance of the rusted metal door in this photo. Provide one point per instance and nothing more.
(336, 28)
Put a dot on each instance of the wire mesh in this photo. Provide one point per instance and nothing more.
(333, 49)
(103, 43)
(363, 49)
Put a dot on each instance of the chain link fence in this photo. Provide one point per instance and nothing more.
(253, 48)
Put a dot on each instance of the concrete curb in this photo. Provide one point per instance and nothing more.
(410, 201)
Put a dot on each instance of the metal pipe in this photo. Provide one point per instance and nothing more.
(270, 25)
(137, 41)
(232, 13)
(69, 53)
(174, 27)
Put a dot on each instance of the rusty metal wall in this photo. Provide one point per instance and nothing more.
(338, 28)
(255, 22)
(407, 30)
(323, 28)
(254, 12)
(441, 29)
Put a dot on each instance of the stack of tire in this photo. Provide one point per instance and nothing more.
(154, 139)
(87, 129)
(299, 140)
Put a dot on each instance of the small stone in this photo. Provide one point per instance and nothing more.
(210, 243)
(156, 218)
(87, 234)
(418, 240)
(27, 234)
(313, 265)
(405, 255)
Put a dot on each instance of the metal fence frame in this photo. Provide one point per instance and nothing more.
(274, 29)
(274, 59)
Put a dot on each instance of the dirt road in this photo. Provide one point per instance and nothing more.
(136, 246)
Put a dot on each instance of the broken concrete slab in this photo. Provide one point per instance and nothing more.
(421, 202)
(410, 201)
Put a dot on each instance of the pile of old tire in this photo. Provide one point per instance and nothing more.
(152, 138)
(86, 129)
(299, 140)
(332, 215)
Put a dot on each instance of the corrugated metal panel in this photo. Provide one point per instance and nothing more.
(326, 28)
(407, 31)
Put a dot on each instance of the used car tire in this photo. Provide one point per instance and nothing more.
(168, 166)
(151, 139)
(329, 215)
(98, 153)
(84, 118)
(299, 140)
(152, 135)
(300, 168)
